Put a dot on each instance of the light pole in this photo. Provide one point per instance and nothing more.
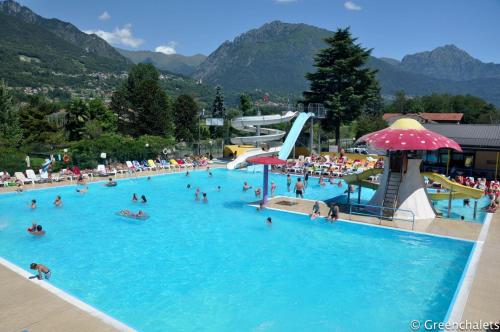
(200, 116)
(146, 146)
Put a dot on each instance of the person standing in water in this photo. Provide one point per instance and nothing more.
(299, 189)
(58, 201)
(197, 194)
(288, 182)
(273, 188)
(306, 178)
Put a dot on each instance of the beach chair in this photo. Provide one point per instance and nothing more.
(175, 164)
(164, 164)
(187, 163)
(137, 165)
(101, 171)
(131, 166)
(20, 177)
(152, 165)
(30, 174)
(181, 163)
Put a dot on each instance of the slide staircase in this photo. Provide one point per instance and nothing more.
(391, 193)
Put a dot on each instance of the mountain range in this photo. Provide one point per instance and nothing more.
(175, 63)
(36, 51)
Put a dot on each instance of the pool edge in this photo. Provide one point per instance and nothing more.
(85, 307)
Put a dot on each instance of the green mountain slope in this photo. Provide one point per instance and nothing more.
(36, 51)
(276, 56)
(449, 62)
(175, 63)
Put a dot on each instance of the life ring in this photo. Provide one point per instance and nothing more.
(66, 159)
(165, 151)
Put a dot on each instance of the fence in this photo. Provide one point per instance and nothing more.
(378, 212)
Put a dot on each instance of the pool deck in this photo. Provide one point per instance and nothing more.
(25, 306)
(437, 226)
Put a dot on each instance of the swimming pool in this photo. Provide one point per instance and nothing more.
(218, 267)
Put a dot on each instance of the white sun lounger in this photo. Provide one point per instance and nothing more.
(32, 176)
(20, 177)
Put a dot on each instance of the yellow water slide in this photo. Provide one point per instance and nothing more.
(458, 190)
(360, 178)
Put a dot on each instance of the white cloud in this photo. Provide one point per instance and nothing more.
(350, 5)
(167, 49)
(119, 36)
(104, 16)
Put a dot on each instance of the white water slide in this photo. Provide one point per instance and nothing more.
(284, 150)
(251, 123)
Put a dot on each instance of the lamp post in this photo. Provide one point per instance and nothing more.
(146, 146)
(210, 142)
(200, 116)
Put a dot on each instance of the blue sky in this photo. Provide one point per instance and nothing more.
(393, 28)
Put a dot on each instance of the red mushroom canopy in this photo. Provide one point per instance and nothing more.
(408, 134)
(266, 161)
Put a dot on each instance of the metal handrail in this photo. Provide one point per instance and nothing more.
(380, 215)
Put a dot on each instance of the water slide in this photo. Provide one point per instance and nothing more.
(458, 190)
(292, 136)
(360, 178)
(284, 150)
(250, 123)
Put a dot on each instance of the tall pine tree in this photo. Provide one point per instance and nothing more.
(218, 111)
(186, 118)
(342, 82)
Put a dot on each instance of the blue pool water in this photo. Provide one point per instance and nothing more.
(218, 267)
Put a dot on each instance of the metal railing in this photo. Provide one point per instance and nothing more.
(380, 215)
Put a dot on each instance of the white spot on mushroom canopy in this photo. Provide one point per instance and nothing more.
(422, 142)
(387, 141)
(403, 143)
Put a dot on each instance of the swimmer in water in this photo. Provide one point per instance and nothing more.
(321, 180)
(269, 221)
(149, 178)
(197, 194)
(41, 269)
(261, 206)
(36, 230)
(33, 204)
(205, 199)
(339, 184)
(257, 192)
(218, 188)
(143, 199)
(111, 183)
(187, 173)
(210, 174)
(58, 201)
(134, 198)
(188, 186)
(273, 188)
(246, 186)
(288, 182)
(82, 191)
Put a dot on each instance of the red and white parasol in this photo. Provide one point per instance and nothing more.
(408, 134)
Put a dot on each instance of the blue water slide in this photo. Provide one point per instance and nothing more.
(294, 133)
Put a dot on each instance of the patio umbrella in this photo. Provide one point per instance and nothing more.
(408, 134)
(266, 161)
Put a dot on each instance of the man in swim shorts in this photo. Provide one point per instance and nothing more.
(41, 269)
(299, 188)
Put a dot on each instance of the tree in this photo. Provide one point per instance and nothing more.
(185, 118)
(368, 123)
(100, 113)
(342, 82)
(10, 130)
(77, 115)
(141, 105)
(218, 111)
(34, 123)
(246, 105)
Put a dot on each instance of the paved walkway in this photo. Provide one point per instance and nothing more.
(483, 302)
(438, 226)
(25, 306)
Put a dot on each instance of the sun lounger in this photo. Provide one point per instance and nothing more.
(174, 164)
(152, 165)
(20, 177)
(30, 174)
(164, 164)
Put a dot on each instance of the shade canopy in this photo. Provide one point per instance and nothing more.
(266, 161)
(408, 134)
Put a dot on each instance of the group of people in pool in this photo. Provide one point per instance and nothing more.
(198, 194)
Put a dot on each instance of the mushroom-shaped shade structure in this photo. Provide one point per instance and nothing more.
(266, 161)
(407, 134)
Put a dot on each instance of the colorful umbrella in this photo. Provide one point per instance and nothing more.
(408, 134)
